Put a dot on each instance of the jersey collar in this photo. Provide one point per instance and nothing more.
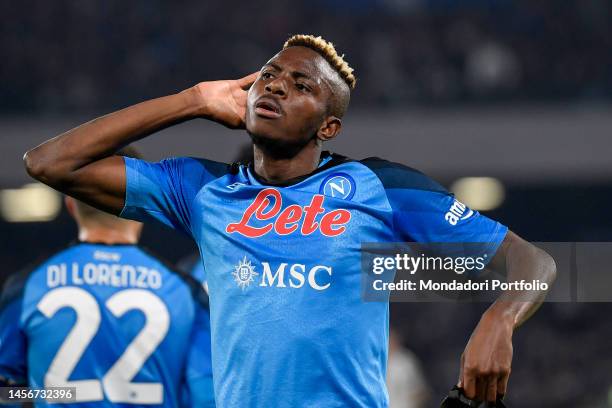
(328, 160)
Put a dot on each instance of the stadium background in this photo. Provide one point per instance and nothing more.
(518, 91)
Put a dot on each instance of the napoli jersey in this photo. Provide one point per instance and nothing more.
(192, 265)
(198, 272)
(282, 262)
(112, 321)
(201, 386)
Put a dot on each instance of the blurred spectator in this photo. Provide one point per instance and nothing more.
(405, 381)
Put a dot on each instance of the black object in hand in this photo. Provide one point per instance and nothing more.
(456, 399)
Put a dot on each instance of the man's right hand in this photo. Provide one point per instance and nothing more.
(223, 101)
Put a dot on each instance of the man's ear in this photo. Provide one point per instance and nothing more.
(329, 129)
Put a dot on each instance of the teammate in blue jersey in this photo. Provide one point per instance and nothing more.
(110, 319)
(280, 238)
(192, 265)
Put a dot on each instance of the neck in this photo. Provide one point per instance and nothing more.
(276, 169)
(107, 236)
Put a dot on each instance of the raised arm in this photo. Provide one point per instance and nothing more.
(80, 162)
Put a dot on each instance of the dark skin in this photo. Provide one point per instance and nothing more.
(290, 109)
(298, 83)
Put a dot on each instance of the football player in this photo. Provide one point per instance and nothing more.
(280, 238)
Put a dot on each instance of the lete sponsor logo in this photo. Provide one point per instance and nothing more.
(305, 220)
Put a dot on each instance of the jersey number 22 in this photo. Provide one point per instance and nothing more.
(117, 383)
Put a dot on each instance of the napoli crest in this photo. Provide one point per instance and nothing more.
(338, 185)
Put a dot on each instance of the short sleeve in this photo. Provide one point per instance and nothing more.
(13, 354)
(198, 377)
(423, 211)
(165, 191)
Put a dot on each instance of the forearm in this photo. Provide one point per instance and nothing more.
(524, 261)
(82, 164)
(55, 159)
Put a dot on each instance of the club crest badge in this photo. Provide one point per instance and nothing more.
(338, 185)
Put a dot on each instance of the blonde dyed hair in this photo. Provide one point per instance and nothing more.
(327, 50)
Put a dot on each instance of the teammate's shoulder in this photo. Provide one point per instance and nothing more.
(187, 263)
(396, 175)
(197, 290)
(15, 284)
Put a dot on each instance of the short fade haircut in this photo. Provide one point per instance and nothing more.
(327, 50)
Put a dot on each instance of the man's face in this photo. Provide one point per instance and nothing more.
(288, 102)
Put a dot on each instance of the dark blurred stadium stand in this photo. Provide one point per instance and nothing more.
(87, 57)
(65, 56)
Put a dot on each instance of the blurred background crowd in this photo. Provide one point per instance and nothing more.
(506, 102)
(91, 54)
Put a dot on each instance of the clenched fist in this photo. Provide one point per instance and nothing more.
(487, 359)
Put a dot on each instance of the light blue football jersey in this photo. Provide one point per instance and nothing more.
(282, 262)
(111, 320)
